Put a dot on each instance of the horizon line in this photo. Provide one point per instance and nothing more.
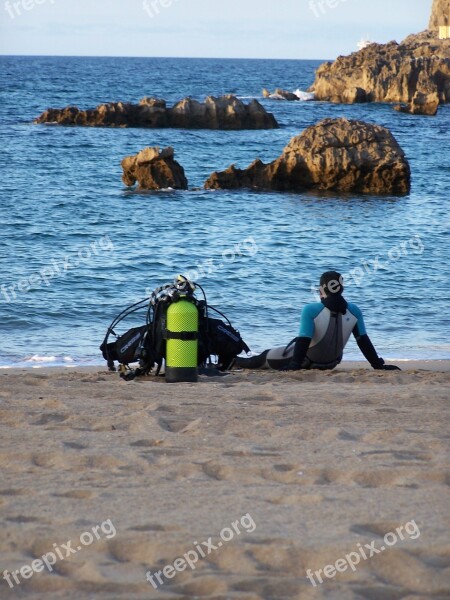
(165, 57)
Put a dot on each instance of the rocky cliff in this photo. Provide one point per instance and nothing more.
(440, 14)
(388, 72)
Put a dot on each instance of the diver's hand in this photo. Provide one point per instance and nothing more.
(380, 366)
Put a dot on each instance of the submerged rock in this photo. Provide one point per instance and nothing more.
(335, 154)
(388, 72)
(154, 170)
(226, 112)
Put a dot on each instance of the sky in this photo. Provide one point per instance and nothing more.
(289, 29)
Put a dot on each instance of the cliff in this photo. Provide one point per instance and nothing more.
(417, 67)
(388, 72)
(439, 14)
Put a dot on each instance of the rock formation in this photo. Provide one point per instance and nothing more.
(354, 95)
(280, 94)
(421, 104)
(440, 14)
(335, 154)
(388, 72)
(154, 170)
(226, 112)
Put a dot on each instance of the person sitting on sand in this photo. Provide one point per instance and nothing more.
(325, 328)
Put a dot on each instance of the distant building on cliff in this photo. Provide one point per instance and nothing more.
(444, 32)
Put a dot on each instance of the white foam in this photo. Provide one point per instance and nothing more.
(301, 95)
(38, 361)
(304, 96)
(37, 358)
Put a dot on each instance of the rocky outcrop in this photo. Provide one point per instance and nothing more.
(388, 72)
(335, 154)
(280, 94)
(154, 170)
(440, 14)
(421, 104)
(226, 112)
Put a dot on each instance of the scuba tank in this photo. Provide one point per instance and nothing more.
(182, 326)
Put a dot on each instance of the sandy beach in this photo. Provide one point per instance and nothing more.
(267, 474)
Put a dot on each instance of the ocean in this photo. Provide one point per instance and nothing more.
(76, 246)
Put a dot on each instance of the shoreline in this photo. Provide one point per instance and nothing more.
(434, 365)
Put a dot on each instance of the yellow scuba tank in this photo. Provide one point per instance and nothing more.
(182, 341)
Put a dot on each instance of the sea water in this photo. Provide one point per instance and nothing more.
(77, 246)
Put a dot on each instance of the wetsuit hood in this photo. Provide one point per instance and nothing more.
(336, 303)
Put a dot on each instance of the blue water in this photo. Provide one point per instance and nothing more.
(67, 216)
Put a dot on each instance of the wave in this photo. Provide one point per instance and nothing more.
(284, 95)
(304, 96)
(37, 361)
(36, 358)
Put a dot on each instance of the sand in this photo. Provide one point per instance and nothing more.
(306, 465)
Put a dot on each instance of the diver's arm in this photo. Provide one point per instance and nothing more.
(302, 342)
(370, 354)
(367, 348)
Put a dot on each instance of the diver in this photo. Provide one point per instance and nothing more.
(325, 328)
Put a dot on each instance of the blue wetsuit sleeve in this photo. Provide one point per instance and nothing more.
(309, 313)
(360, 327)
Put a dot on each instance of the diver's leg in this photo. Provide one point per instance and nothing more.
(279, 357)
(269, 359)
(254, 362)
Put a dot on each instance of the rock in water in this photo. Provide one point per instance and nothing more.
(335, 154)
(421, 104)
(154, 170)
(153, 112)
(279, 94)
(440, 14)
(226, 112)
(388, 72)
